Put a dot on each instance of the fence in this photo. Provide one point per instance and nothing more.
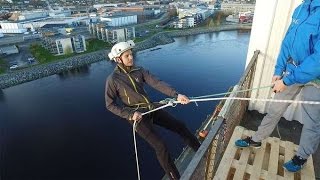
(206, 161)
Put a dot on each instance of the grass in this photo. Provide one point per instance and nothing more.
(44, 56)
(151, 33)
(3, 66)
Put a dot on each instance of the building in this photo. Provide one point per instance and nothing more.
(28, 15)
(111, 34)
(116, 21)
(237, 7)
(143, 12)
(185, 22)
(98, 6)
(65, 45)
(6, 27)
(7, 50)
(245, 17)
(23, 26)
(191, 17)
(78, 44)
(204, 13)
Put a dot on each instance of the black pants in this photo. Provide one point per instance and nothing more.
(146, 130)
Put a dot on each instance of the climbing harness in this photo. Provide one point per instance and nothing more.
(173, 102)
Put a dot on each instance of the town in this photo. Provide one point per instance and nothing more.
(39, 32)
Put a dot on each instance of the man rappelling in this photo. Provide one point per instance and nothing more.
(126, 83)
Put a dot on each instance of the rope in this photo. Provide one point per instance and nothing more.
(253, 99)
(278, 131)
(135, 147)
(172, 102)
(135, 124)
(220, 94)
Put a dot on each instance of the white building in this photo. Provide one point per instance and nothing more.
(119, 34)
(27, 15)
(98, 6)
(205, 13)
(65, 45)
(6, 27)
(111, 34)
(21, 27)
(185, 22)
(115, 21)
(60, 13)
(190, 22)
(60, 20)
(237, 7)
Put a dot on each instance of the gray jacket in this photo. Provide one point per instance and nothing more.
(128, 87)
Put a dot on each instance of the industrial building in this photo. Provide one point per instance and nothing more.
(22, 21)
(6, 27)
(115, 21)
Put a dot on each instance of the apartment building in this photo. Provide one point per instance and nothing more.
(111, 34)
(236, 7)
(65, 45)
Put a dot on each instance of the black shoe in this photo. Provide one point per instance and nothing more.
(246, 142)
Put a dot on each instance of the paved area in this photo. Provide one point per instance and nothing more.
(21, 58)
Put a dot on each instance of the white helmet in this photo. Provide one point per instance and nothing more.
(119, 48)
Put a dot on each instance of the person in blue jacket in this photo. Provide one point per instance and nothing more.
(297, 70)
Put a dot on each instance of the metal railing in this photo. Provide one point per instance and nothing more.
(206, 161)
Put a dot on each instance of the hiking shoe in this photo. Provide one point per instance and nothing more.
(295, 164)
(246, 142)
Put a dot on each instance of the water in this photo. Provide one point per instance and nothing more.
(57, 128)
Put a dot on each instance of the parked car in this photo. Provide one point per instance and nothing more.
(14, 66)
(30, 60)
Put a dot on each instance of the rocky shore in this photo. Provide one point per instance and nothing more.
(40, 71)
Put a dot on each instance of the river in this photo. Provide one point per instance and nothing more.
(57, 128)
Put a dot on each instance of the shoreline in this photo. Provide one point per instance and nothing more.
(39, 71)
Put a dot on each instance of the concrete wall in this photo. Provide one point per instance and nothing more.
(271, 21)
